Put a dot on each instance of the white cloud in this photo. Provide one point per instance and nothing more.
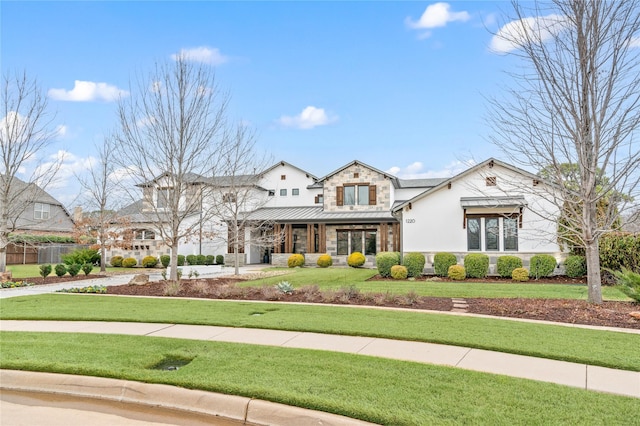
(309, 118)
(416, 170)
(61, 131)
(86, 91)
(435, 16)
(204, 54)
(635, 42)
(515, 33)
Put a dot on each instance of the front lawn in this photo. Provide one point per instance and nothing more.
(541, 340)
(334, 278)
(368, 388)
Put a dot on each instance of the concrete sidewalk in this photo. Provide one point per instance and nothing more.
(583, 376)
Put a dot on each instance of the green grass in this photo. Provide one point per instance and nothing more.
(541, 340)
(334, 278)
(28, 271)
(372, 389)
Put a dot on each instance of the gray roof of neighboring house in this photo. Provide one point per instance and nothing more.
(316, 214)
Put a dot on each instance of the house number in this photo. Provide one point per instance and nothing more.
(410, 220)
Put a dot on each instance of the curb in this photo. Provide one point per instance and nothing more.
(214, 405)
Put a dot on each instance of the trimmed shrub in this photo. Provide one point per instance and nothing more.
(457, 272)
(295, 260)
(542, 265)
(414, 262)
(324, 261)
(385, 260)
(399, 272)
(81, 256)
(575, 266)
(180, 260)
(219, 259)
(192, 259)
(74, 269)
(87, 268)
(60, 269)
(165, 259)
(201, 259)
(442, 262)
(149, 261)
(129, 262)
(45, 270)
(476, 265)
(520, 274)
(116, 261)
(506, 265)
(356, 259)
(620, 250)
(210, 259)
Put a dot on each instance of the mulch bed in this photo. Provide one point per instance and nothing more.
(612, 314)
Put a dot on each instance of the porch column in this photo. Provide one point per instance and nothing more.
(322, 237)
(288, 238)
(276, 232)
(395, 229)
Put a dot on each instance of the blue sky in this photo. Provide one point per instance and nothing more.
(398, 85)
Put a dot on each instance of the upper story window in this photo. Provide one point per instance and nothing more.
(144, 234)
(164, 197)
(283, 177)
(283, 192)
(319, 199)
(356, 195)
(229, 197)
(41, 211)
(295, 191)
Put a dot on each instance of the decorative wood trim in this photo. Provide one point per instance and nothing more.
(310, 239)
(372, 195)
(340, 195)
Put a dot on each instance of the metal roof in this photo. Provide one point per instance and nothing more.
(317, 214)
(490, 202)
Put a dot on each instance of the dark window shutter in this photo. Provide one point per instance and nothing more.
(372, 195)
(340, 195)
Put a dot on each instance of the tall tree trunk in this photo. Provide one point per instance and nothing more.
(592, 252)
(173, 276)
(103, 258)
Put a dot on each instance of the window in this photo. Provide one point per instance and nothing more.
(351, 195)
(356, 240)
(356, 175)
(473, 234)
(283, 192)
(144, 234)
(491, 180)
(229, 197)
(164, 197)
(295, 191)
(283, 177)
(272, 192)
(41, 211)
(319, 199)
(500, 233)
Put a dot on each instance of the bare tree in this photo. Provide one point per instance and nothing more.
(99, 187)
(26, 132)
(238, 193)
(575, 102)
(169, 137)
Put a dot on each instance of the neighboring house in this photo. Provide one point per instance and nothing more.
(488, 208)
(34, 211)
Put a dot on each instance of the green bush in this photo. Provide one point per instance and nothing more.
(542, 265)
(356, 259)
(74, 269)
(575, 266)
(45, 270)
(295, 260)
(628, 283)
(116, 261)
(180, 260)
(192, 259)
(441, 263)
(506, 265)
(620, 250)
(219, 259)
(385, 260)
(149, 261)
(210, 259)
(129, 262)
(60, 269)
(520, 274)
(81, 256)
(414, 262)
(457, 272)
(201, 259)
(165, 259)
(87, 268)
(476, 265)
(324, 261)
(399, 272)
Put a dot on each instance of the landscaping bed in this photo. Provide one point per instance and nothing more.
(612, 314)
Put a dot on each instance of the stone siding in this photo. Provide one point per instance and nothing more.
(365, 175)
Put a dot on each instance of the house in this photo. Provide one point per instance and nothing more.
(491, 208)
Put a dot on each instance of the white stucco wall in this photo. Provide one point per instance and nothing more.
(294, 179)
(434, 223)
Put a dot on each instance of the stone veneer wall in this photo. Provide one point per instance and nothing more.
(366, 175)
